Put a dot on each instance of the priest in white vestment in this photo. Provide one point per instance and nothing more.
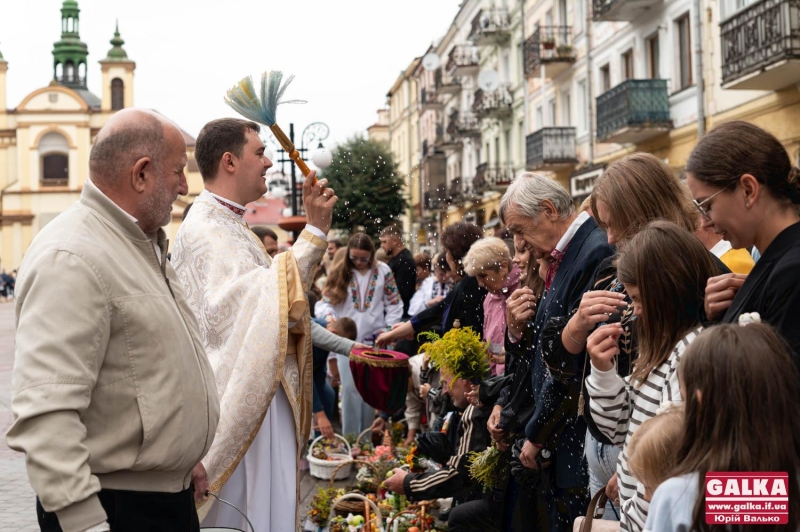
(254, 318)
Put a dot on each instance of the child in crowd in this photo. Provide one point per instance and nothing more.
(741, 414)
(664, 269)
(653, 449)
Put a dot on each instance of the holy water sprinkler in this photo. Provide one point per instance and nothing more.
(243, 99)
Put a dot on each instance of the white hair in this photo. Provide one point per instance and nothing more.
(486, 254)
(529, 190)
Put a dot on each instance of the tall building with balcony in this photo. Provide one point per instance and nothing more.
(497, 30)
(403, 103)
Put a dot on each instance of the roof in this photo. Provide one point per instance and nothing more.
(265, 211)
(92, 100)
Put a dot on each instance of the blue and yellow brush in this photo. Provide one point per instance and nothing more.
(244, 100)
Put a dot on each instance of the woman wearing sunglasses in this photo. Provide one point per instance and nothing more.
(363, 289)
(744, 184)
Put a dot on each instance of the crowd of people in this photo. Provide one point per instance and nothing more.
(635, 343)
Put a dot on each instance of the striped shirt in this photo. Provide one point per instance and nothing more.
(619, 407)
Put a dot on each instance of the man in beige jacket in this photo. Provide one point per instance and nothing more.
(113, 397)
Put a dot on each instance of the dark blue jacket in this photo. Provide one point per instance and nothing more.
(555, 422)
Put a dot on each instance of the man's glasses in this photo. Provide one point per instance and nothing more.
(703, 210)
(359, 259)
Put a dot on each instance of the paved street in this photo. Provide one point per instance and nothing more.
(17, 501)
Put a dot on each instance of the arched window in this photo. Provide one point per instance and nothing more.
(54, 157)
(117, 94)
(69, 71)
(81, 73)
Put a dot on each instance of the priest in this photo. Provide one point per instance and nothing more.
(254, 320)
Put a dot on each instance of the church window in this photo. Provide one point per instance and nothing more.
(54, 157)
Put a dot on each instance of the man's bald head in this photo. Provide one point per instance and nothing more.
(128, 136)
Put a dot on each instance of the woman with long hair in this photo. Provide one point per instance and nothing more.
(741, 414)
(363, 289)
(632, 192)
(664, 269)
(746, 189)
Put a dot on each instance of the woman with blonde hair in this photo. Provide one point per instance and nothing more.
(363, 289)
(489, 261)
(667, 303)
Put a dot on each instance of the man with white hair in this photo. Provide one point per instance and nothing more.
(541, 216)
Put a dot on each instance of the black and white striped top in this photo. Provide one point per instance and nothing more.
(619, 407)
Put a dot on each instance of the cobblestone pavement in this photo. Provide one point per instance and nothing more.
(17, 501)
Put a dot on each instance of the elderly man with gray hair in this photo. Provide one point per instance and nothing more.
(541, 216)
(114, 400)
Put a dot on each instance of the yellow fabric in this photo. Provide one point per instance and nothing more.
(244, 302)
(738, 260)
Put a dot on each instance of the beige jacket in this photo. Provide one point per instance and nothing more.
(111, 385)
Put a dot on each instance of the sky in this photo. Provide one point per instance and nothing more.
(345, 54)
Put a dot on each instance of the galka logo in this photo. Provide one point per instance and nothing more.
(747, 498)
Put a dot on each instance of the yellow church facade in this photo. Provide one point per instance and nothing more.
(46, 139)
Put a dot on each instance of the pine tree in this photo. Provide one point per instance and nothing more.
(369, 188)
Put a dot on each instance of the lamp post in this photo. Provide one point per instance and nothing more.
(316, 131)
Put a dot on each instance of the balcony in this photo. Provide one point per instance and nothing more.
(493, 104)
(463, 125)
(761, 46)
(621, 10)
(50, 182)
(550, 47)
(429, 100)
(464, 60)
(551, 148)
(491, 27)
(634, 111)
(488, 177)
(447, 84)
(445, 140)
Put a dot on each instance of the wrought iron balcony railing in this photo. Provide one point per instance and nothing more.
(493, 104)
(492, 26)
(429, 100)
(492, 177)
(633, 111)
(464, 60)
(761, 46)
(463, 125)
(550, 147)
(551, 47)
(604, 10)
(446, 83)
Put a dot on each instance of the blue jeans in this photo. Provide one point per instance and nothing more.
(602, 459)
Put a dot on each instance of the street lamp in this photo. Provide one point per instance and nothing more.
(316, 131)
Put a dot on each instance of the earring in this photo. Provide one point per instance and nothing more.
(747, 204)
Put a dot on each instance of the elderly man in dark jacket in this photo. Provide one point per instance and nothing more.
(541, 216)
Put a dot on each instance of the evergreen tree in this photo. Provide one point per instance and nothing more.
(369, 188)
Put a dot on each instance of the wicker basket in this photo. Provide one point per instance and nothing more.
(365, 506)
(324, 469)
(346, 506)
(357, 445)
(417, 510)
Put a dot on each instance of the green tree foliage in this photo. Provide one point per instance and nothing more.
(368, 185)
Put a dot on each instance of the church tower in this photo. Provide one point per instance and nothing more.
(117, 72)
(70, 53)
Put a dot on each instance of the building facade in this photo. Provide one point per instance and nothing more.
(583, 83)
(45, 141)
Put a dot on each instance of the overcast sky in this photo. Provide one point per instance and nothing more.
(345, 54)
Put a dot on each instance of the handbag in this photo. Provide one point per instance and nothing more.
(594, 522)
